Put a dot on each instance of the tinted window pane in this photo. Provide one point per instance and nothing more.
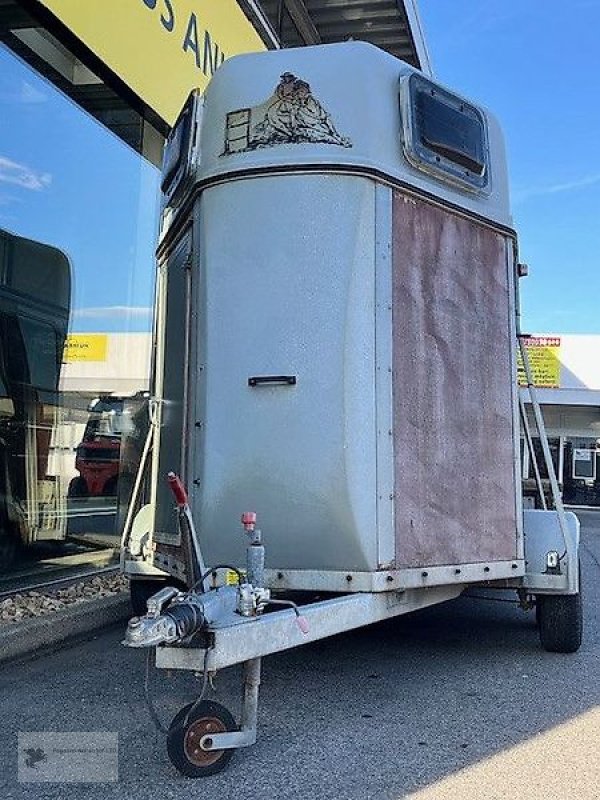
(450, 132)
(176, 148)
(444, 135)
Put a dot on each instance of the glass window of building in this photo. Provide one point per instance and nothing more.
(78, 220)
(85, 112)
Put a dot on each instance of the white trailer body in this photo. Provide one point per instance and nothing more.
(386, 294)
(336, 350)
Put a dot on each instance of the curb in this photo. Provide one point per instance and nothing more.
(24, 638)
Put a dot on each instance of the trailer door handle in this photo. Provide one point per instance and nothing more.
(272, 380)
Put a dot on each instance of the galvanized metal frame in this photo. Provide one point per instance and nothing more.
(393, 579)
(273, 633)
(247, 734)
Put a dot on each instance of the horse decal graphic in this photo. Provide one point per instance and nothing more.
(292, 115)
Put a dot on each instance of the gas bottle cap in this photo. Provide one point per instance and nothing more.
(249, 520)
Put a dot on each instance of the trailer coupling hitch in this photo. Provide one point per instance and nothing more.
(189, 613)
(174, 616)
(186, 613)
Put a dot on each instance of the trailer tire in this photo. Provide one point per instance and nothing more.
(560, 620)
(185, 732)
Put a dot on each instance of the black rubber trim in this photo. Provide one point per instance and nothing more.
(337, 169)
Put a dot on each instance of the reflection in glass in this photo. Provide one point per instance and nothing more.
(34, 317)
(65, 474)
(582, 486)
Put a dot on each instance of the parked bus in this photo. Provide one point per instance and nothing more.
(35, 296)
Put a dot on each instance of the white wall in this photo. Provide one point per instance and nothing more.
(579, 383)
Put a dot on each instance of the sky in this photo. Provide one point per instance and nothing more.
(534, 63)
(66, 181)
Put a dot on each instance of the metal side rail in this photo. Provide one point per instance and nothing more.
(242, 640)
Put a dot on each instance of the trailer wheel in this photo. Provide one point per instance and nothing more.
(560, 620)
(183, 739)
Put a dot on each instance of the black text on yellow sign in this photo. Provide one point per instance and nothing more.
(161, 49)
(543, 353)
(195, 39)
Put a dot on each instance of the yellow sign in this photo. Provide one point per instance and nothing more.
(85, 347)
(544, 359)
(160, 48)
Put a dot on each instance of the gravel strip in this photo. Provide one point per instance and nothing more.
(27, 605)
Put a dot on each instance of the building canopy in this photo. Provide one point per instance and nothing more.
(132, 63)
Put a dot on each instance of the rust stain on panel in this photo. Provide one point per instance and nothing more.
(453, 424)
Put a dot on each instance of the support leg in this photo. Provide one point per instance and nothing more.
(250, 696)
(246, 736)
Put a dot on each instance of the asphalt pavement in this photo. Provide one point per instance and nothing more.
(458, 701)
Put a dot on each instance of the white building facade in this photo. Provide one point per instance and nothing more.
(567, 376)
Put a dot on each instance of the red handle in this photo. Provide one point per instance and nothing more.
(178, 489)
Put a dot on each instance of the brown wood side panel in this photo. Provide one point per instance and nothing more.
(453, 423)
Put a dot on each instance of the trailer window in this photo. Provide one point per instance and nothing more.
(180, 149)
(444, 134)
(175, 148)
